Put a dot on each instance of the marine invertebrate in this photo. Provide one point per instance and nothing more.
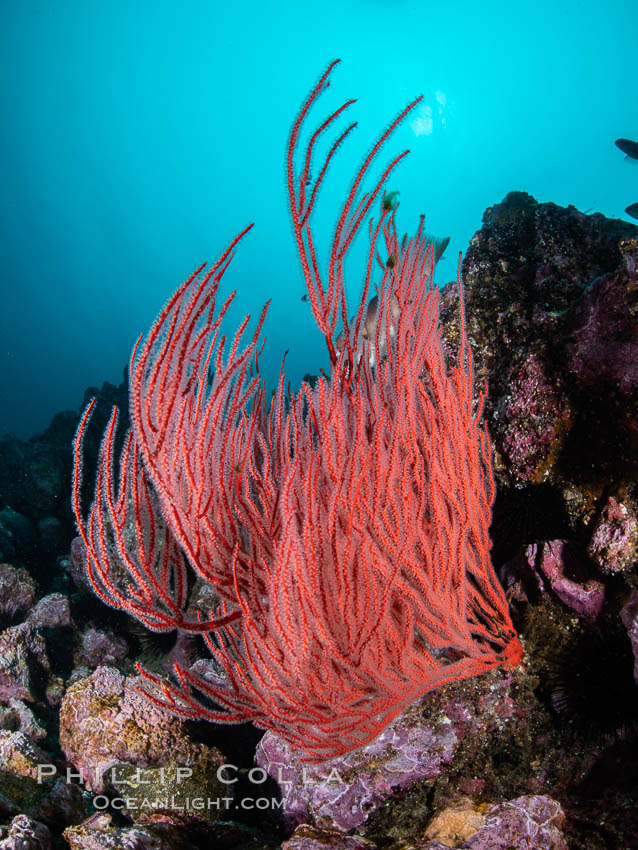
(344, 527)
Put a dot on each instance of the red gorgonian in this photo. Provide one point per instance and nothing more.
(344, 528)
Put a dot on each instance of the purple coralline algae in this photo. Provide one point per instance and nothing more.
(51, 612)
(19, 755)
(24, 834)
(105, 722)
(418, 746)
(603, 344)
(17, 590)
(585, 597)
(559, 565)
(16, 716)
(101, 648)
(614, 541)
(341, 792)
(538, 414)
(525, 823)
(23, 662)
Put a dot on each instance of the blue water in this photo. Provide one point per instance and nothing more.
(137, 138)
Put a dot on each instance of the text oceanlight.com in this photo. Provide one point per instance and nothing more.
(185, 804)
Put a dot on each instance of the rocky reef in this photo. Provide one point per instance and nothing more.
(543, 756)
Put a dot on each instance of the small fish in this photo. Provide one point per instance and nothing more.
(628, 147)
(304, 297)
(390, 201)
(369, 328)
(632, 210)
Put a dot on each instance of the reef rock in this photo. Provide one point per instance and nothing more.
(106, 723)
